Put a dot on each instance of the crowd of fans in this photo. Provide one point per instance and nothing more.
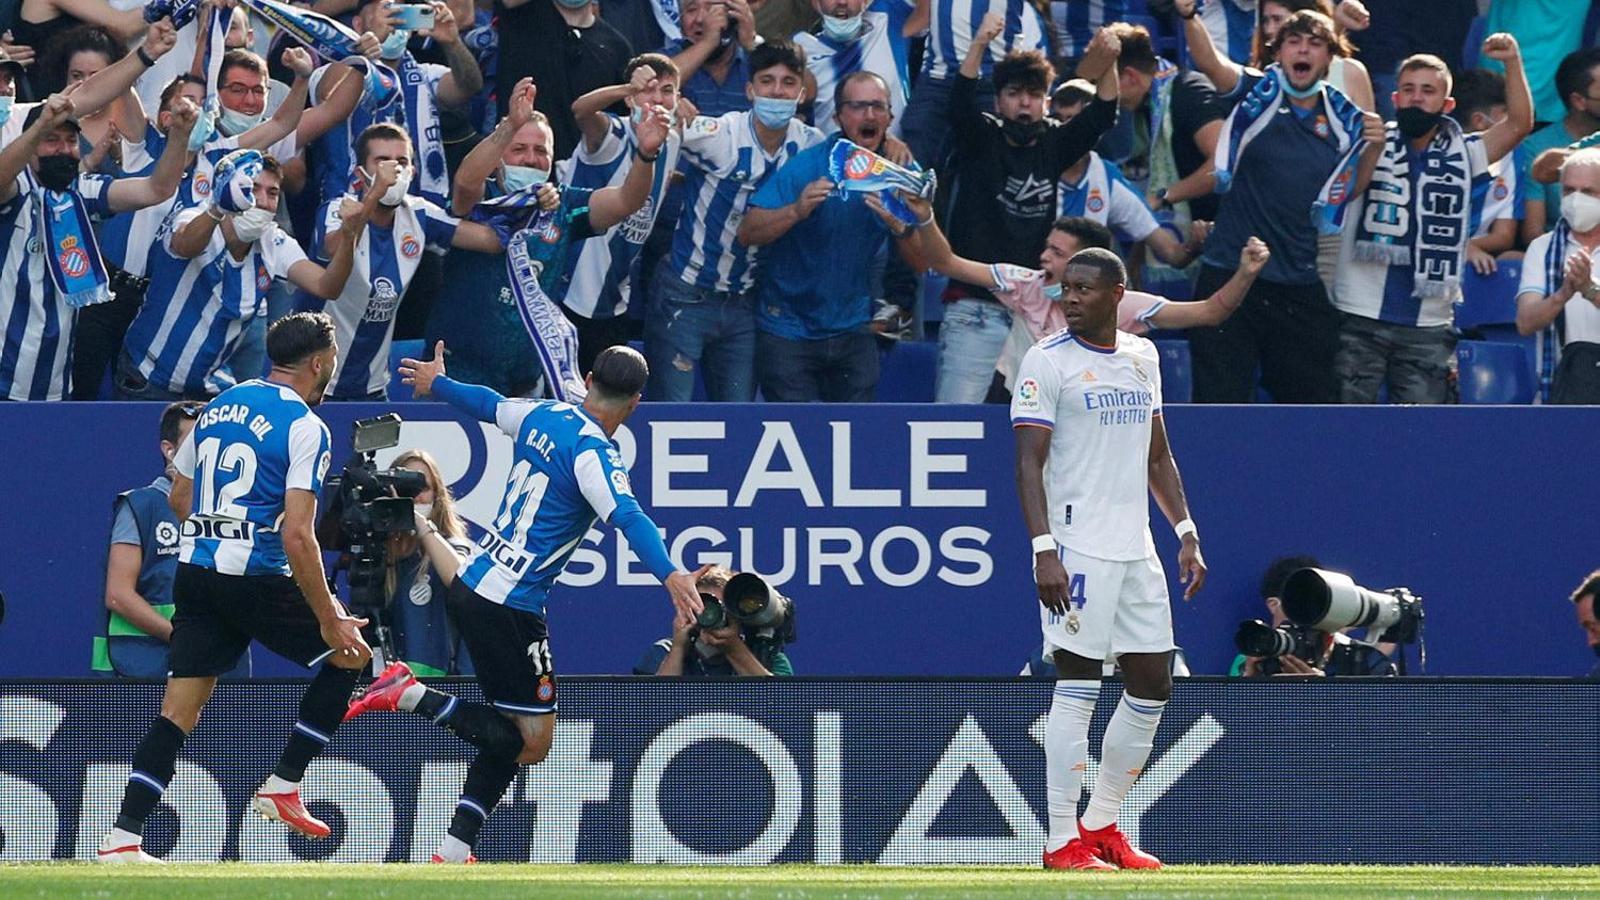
(1320, 175)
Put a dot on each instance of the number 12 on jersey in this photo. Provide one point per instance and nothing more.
(240, 461)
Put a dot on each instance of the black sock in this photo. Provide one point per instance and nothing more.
(321, 709)
(153, 765)
(487, 780)
(478, 724)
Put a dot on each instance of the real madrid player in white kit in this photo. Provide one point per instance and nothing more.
(1090, 442)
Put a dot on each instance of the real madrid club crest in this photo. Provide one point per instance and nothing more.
(1139, 371)
(1072, 623)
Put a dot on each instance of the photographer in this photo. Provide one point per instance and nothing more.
(1583, 603)
(1272, 596)
(421, 567)
(721, 652)
(1322, 645)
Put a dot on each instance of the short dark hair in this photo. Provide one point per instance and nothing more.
(1310, 23)
(1589, 588)
(379, 131)
(659, 63)
(1573, 75)
(1138, 52)
(858, 75)
(38, 110)
(1279, 570)
(299, 336)
(175, 86)
(1088, 232)
(1027, 69)
(1478, 90)
(172, 417)
(619, 373)
(1107, 263)
(240, 58)
(1261, 54)
(79, 39)
(778, 52)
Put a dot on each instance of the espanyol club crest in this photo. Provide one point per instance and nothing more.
(547, 690)
(1500, 190)
(1321, 127)
(1340, 189)
(263, 279)
(74, 262)
(1095, 203)
(410, 246)
(202, 184)
(858, 165)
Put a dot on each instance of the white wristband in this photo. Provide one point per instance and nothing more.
(1043, 543)
(1185, 528)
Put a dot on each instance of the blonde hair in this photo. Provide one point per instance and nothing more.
(444, 516)
(715, 577)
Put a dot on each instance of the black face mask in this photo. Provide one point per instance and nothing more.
(1022, 133)
(1415, 122)
(57, 172)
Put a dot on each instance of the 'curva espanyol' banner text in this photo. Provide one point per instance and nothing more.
(887, 771)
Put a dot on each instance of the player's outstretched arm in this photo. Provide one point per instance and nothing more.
(426, 377)
(1167, 486)
(604, 483)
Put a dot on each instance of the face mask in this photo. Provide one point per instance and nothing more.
(842, 30)
(397, 191)
(58, 172)
(1297, 93)
(574, 4)
(231, 122)
(5, 108)
(394, 44)
(774, 112)
(424, 509)
(251, 224)
(1414, 122)
(637, 115)
(520, 178)
(1052, 291)
(1581, 211)
(1022, 133)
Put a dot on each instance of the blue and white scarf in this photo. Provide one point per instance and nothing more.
(1391, 230)
(72, 254)
(1256, 111)
(1555, 270)
(855, 169)
(332, 40)
(517, 218)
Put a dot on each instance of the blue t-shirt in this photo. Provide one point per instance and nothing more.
(709, 97)
(800, 299)
(1275, 183)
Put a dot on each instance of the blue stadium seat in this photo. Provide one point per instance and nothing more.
(1177, 378)
(1489, 299)
(907, 372)
(1493, 372)
(398, 390)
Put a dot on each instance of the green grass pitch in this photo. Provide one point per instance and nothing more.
(523, 881)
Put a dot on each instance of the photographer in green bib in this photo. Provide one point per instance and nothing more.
(140, 565)
(742, 630)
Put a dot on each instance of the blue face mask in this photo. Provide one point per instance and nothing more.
(774, 112)
(1291, 90)
(5, 108)
(230, 122)
(1052, 291)
(395, 44)
(520, 178)
(842, 30)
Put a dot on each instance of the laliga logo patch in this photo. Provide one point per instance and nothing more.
(166, 534)
(1096, 202)
(547, 689)
(322, 465)
(1028, 390)
(410, 246)
(619, 480)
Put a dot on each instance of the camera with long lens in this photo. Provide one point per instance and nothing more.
(1257, 638)
(764, 616)
(1331, 601)
(366, 505)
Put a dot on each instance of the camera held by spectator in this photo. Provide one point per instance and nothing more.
(742, 631)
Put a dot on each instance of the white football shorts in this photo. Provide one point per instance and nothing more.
(1114, 608)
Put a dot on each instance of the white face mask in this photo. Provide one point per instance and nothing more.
(231, 122)
(424, 510)
(1581, 211)
(397, 191)
(251, 224)
(520, 178)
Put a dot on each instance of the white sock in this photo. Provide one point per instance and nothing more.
(1066, 751)
(276, 785)
(453, 849)
(412, 695)
(117, 837)
(1123, 753)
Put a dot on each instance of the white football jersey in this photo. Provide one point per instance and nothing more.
(1099, 403)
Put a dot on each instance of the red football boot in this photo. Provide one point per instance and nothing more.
(1112, 845)
(470, 860)
(288, 809)
(384, 692)
(1076, 855)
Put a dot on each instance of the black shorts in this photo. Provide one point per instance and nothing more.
(510, 650)
(216, 616)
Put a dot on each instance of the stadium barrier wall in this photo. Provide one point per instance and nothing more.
(896, 527)
(891, 771)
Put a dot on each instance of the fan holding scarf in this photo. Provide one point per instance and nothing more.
(1401, 262)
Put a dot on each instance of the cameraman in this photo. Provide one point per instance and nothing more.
(718, 652)
(1272, 594)
(421, 566)
(1583, 603)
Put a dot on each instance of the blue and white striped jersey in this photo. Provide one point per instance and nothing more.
(1105, 195)
(723, 163)
(600, 270)
(952, 24)
(1076, 21)
(333, 154)
(565, 474)
(36, 360)
(253, 444)
(363, 315)
(1232, 26)
(196, 310)
(880, 48)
